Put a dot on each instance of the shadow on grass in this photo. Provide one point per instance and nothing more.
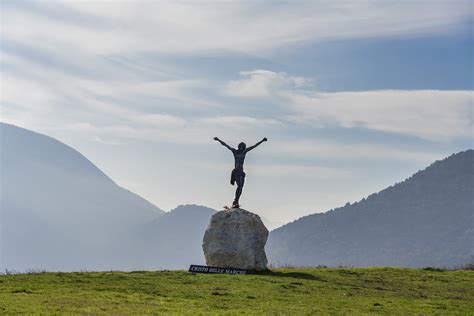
(307, 276)
(296, 275)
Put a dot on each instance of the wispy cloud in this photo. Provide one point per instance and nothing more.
(159, 120)
(301, 171)
(238, 122)
(264, 83)
(85, 64)
(436, 115)
(110, 27)
(339, 151)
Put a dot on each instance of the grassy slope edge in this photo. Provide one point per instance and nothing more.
(283, 291)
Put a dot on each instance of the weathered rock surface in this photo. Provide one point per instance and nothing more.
(236, 238)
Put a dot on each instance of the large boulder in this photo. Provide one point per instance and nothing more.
(236, 238)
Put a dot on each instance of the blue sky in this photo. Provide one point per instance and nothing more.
(353, 96)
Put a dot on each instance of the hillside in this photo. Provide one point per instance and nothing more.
(172, 241)
(282, 291)
(58, 210)
(427, 220)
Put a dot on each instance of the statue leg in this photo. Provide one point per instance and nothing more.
(238, 191)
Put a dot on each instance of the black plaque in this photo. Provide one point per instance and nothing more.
(215, 270)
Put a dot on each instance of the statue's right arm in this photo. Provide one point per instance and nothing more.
(223, 144)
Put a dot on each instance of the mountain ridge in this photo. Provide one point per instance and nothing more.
(51, 193)
(398, 220)
(74, 159)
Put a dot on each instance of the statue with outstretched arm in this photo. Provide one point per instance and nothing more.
(238, 174)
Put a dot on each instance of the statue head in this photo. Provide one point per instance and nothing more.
(242, 146)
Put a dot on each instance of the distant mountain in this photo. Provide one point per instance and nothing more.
(59, 211)
(427, 220)
(174, 240)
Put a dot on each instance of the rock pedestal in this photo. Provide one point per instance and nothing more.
(236, 238)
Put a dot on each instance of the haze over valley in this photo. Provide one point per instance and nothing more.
(60, 212)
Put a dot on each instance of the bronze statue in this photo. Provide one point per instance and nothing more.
(238, 174)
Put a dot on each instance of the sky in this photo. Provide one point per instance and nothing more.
(354, 96)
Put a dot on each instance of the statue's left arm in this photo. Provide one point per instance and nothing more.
(254, 146)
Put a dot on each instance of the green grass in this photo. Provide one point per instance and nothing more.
(282, 291)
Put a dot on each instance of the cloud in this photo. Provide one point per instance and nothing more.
(263, 83)
(86, 66)
(337, 151)
(301, 171)
(436, 115)
(159, 120)
(63, 99)
(106, 142)
(108, 27)
(238, 122)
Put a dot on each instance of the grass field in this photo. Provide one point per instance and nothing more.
(282, 291)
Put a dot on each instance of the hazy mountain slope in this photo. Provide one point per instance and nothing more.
(58, 210)
(427, 220)
(174, 240)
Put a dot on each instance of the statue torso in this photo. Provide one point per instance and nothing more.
(239, 158)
